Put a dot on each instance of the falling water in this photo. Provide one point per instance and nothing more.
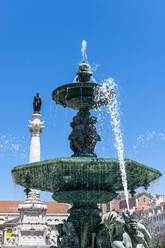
(75, 79)
(93, 80)
(108, 86)
(83, 50)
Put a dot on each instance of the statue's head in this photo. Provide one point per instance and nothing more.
(112, 218)
(128, 215)
(37, 94)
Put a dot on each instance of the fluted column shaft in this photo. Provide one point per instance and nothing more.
(35, 128)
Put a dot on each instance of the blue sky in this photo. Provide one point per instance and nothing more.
(40, 49)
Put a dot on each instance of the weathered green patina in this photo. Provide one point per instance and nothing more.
(79, 95)
(83, 182)
(94, 178)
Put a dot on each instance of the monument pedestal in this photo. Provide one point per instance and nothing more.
(32, 226)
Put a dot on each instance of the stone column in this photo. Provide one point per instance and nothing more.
(35, 128)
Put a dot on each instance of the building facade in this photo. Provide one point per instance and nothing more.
(10, 219)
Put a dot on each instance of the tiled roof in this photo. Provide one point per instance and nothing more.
(142, 207)
(53, 207)
(56, 207)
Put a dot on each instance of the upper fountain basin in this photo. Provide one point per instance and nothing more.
(80, 95)
(92, 178)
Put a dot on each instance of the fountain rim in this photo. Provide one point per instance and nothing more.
(62, 175)
(74, 85)
(79, 160)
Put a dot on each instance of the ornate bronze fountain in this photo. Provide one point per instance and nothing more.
(83, 180)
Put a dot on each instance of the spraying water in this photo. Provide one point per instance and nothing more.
(83, 50)
(104, 91)
(108, 86)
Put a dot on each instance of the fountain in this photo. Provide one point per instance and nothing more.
(84, 180)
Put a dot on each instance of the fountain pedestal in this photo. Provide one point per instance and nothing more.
(86, 221)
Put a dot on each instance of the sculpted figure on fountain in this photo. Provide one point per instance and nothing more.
(102, 238)
(67, 236)
(137, 231)
(126, 232)
(84, 136)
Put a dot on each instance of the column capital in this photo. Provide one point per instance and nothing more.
(36, 125)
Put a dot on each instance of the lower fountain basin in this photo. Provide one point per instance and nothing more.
(83, 178)
(84, 197)
(80, 95)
